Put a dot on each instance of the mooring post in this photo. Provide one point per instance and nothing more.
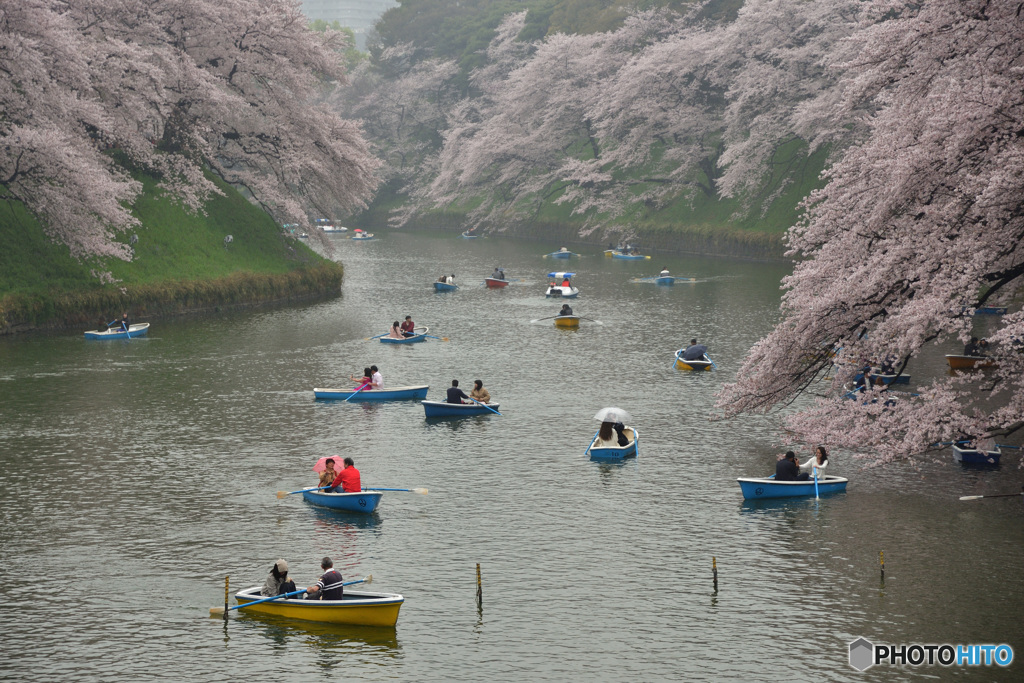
(479, 588)
(881, 562)
(226, 593)
(714, 571)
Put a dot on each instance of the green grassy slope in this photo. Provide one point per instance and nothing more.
(180, 261)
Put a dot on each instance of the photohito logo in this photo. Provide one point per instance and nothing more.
(865, 654)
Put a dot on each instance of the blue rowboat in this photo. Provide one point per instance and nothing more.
(444, 409)
(119, 333)
(972, 456)
(363, 501)
(467, 236)
(665, 280)
(421, 335)
(560, 254)
(393, 394)
(884, 379)
(616, 453)
(763, 487)
(629, 257)
(444, 287)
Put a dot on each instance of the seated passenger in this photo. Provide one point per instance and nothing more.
(664, 272)
(566, 283)
(330, 586)
(498, 274)
(787, 469)
(450, 279)
(328, 475)
(408, 327)
(478, 393)
(366, 380)
(818, 461)
(611, 435)
(972, 348)
(694, 351)
(566, 310)
(455, 395)
(277, 582)
(396, 331)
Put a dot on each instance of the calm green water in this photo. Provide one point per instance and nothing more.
(135, 475)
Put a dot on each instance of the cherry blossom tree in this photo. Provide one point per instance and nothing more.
(175, 87)
(918, 224)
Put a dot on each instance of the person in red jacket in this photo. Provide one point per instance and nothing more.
(348, 479)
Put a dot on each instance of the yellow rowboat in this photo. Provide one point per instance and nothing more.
(357, 608)
(567, 321)
(704, 363)
(968, 362)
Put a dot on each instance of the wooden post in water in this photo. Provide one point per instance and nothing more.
(881, 561)
(479, 588)
(714, 571)
(226, 593)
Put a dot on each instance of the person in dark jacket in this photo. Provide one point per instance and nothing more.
(455, 395)
(788, 469)
(329, 587)
(694, 351)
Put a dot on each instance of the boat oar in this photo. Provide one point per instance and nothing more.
(484, 405)
(421, 491)
(590, 319)
(997, 495)
(282, 494)
(221, 610)
(377, 337)
(711, 361)
(430, 336)
(815, 481)
(592, 442)
(356, 392)
(550, 317)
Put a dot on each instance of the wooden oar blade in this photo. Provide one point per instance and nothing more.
(216, 611)
(368, 579)
(420, 491)
(282, 494)
(970, 497)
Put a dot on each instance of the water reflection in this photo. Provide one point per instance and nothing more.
(329, 642)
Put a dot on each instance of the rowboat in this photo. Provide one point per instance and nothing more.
(393, 394)
(972, 456)
(884, 379)
(361, 501)
(468, 236)
(704, 363)
(445, 287)
(766, 487)
(357, 608)
(629, 257)
(958, 362)
(616, 453)
(421, 335)
(444, 409)
(560, 254)
(608, 253)
(567, 321)
(559, 291)
(664, 280)
(137, 330)
(988, 310)
(361, 234)
(495, 283)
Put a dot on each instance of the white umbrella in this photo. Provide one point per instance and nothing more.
(613, 415)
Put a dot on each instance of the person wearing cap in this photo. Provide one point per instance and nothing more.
(694, 351)
(277, 581)
(376, 380)
(347, 480)
(407, 327)
(329, 587)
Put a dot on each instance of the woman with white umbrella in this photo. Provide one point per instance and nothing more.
(613, 433)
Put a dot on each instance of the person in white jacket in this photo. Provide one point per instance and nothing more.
(817, 461)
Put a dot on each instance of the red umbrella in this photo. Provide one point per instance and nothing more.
(321, 464)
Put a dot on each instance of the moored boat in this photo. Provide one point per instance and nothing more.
(361, 501)
(136, 330)
(445, 287)
(766, 487)
(419, 336)
(702, 363)
(393, 394)
(556, 290)
(567, 321)
(629, 257)
(960, 362)
(972, 456)
(357, 608)
(495, 283)
(445, 409)
(616, 452)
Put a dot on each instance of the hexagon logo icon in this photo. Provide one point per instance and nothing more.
(862, 654)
